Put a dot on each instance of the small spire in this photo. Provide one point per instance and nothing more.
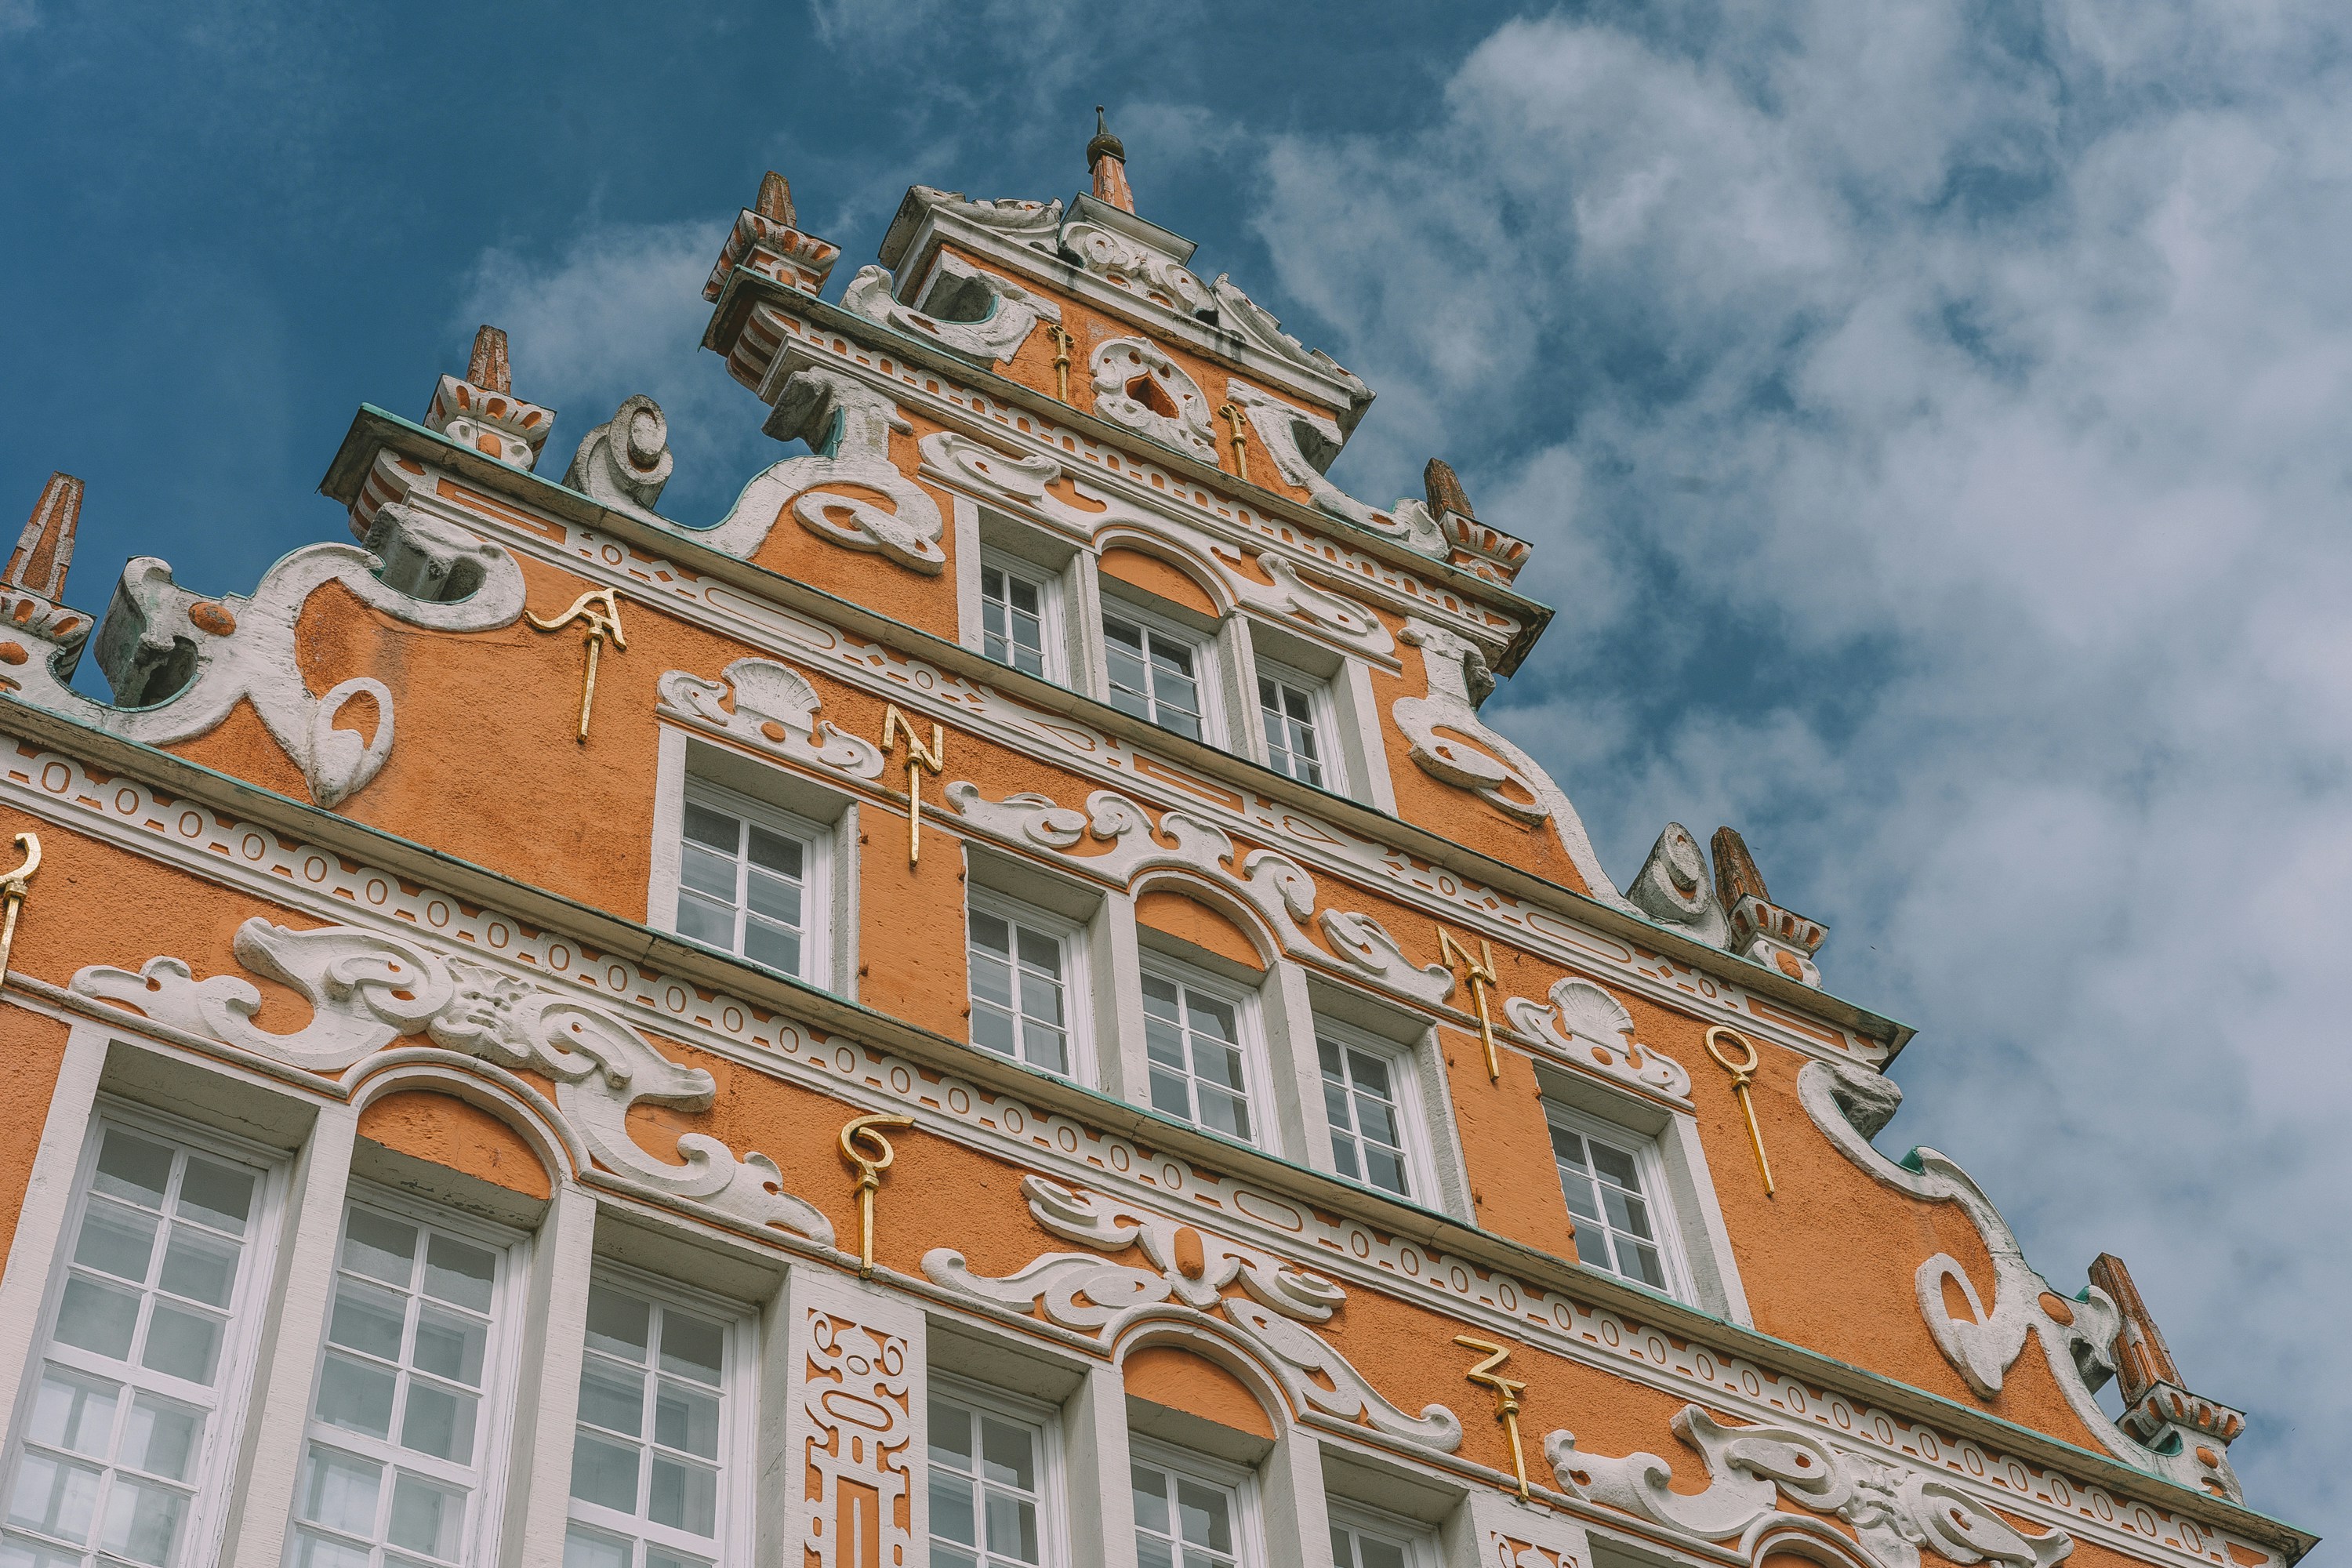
(1444, 488)
(1735, 876)
(775, 199)
(45, 549)
(1107, 157)
(488, 369)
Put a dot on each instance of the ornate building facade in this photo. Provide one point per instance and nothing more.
(998, 1005)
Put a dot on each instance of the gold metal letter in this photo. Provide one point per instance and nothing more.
(1062, 341)
(895, 728)
(1232, 415)
(859, 1133)
(1507, 1397)
(600, 610)
(1741, 1072)
(12, 894)
(1480, 976)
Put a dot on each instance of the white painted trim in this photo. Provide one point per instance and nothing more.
(1413, 1115)
(1071, 936)
(39, 1237)
(1099, 1453)
(304, 1292)
(1420, 1542)
(1054, 1492)
(1239, 1482)
(1360, 731)
(964, 524)
(1322, 713)
(547, 1381)
(1665, 1221)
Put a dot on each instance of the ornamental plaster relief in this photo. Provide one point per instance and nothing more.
(183, 661)
(1674, 888)
(1458, 679)
(1025, 483)
(1140, 389)
(1272, 884)
(2076, 1333)
(327, 886)
(1281, 429)
(773, 709)
(369, 991)
(849, 424)
(1035, 226)
(625, 462)
(1895, 1508)
(1143, 272)
(1092, 1295)
(1581, 1023)
(994, 337)
(918, 685)
(854, 1426)
(770, 328)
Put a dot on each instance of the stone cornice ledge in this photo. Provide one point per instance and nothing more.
(373, 429)
(628, 939)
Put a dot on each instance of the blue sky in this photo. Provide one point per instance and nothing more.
(1930, 418)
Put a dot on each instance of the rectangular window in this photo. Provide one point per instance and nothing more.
(651, 1457)
(1193, 1037)
(1190, 1513)
(1156, 674)
(401, 1436)
(1368, 1097)
(1362, 1538)
(123, 1438)
(1297, 740)
(1616, 1191)
(1024, 979)
(992, 1482)
(1014, 611)
(751, 880)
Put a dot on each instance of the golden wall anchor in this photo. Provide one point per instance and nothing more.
(1062, 344)
(858, 1134)
(1507, 1397)
(600, 610)
(1480, 976)
(13, 887)
(896, 728)
(1742, 1073)
(1232, 415)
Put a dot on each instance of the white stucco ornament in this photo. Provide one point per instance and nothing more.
(1674, 888)
(1140, 388)
(849, 424)
(625, 462)
(974, 312)
(1285, 429)
(1591, 1028)
(1895, 1509)
(774, 711)
(180, 662)
(1181, 1292)
(369, 993)
(1454, 745)
(1275, 887)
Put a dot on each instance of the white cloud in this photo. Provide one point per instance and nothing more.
(620, 311)
(1931, 424)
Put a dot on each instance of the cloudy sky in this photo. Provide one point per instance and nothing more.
(1932, 419)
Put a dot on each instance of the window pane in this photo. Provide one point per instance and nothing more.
(72, 1412)
(216, 1195)
(161, 1437)
(54, 1496)
(182, 1343)
(451, 1346)
(440, 1422)
(688, 1418)
(133, 1167)
(774, 852)
(954, 1515)
(116, 1240)
(715, 829)
(684, 1497)
(379, 1247)
(98, 1317)
(604, 1473)
(618, 1325)
(774, 946)
(460, 1274)
(1204, 1513)
(142, 1520)
(951, 1438)
(339, 1490)
(691, 1346)
(356, 1397)
(1150, 1500)
(1008, 1453)
(427, 1518)
(583, 1549)
(1012, 1528)
(613, 1397)
(699, 920)
(201, 1268)
(708, 872)
(367, 1319)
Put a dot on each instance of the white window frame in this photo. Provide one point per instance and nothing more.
(1257, 1073)
(1323, 714)
(1665, 1223)
(501, 1356)
(1049, 610)
(1419, 1540)
(1077, 999)
(1053, 1497)
(212, 1474)
(1207, 673)
(817, 841)
(1249, 1521)
(738, 1431)
(1413, 1119)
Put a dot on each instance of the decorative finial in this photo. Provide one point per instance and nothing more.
(775, 199)
(1444, 488)
(488, 369)
(45, 549)
(1735, 876)
(1107, 156)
